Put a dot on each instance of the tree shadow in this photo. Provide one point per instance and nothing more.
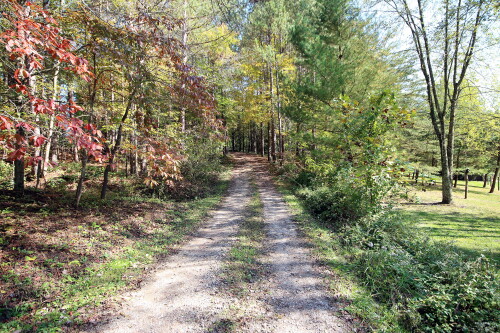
(471, 234)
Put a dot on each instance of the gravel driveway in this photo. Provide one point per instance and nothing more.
(185, 293)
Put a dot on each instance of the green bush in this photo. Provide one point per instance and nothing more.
(461, 299)
(93, 172)
(336, 206)
(6, 170)
(393, 274)
(431, 287)
(58, 184)
(434, 288)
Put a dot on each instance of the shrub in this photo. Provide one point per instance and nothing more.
(200, 170)
(434, 288)
(392, 274)
(461, 299)
(336, 206)
(431, 287)
(6, 171)
(58, 184)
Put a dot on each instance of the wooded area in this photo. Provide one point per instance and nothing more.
(354, 103)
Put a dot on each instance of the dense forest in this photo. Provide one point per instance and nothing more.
(356, 105)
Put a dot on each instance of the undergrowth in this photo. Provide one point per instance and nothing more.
(396, 278)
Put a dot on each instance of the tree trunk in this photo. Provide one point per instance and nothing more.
(269, 158)
(273, 141)
(55, 149)
(48, 146)
(297, 147)
(19, 168)
(466, 183)
(447, 186)
(280, 120)
(117, 145)
(485, 180)
(75, 154)
(19, 176)
(184, 58)
(233, 141)
(79, 189)
(262, 140)
(495, 175)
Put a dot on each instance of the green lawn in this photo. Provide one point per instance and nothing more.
(473, 224)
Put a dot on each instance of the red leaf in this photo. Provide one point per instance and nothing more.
(38, 140)
(17, 154)
(5, 124)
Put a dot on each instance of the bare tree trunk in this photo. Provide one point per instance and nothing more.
(75, 154)
(262, 140)
(117, 145)
(466, 183)
(184, 58)
(136, 156)
(233, 140)
(495, 175)
(19, 167)
(83, 170)
(297, 147)
(273, 141)
(269, 158)
(55, 149)
(280, 121)
(48, 146)
(447, 186)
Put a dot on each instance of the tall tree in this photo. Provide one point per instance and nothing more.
(456, 37)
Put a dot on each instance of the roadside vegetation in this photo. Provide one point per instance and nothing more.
(396, 276)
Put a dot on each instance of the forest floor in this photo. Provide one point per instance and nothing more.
(472, 225)
(197, 290)
(61, 267)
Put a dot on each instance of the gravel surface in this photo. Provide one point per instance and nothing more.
(186, 295)
(297, 297)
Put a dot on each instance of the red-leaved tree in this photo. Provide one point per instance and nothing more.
(33, 42)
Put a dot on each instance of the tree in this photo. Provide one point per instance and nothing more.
(31, 41)
(457, 35)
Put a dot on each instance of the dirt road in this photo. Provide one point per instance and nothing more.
(185, 294)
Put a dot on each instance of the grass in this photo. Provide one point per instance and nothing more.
(222, 326)
(242, 266)
(62, 267)
(472, 224)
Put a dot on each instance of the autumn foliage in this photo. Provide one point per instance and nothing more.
(136, 78)
(32, 43)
